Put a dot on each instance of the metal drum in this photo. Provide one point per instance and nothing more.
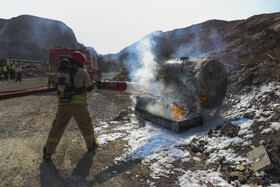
(194, 82)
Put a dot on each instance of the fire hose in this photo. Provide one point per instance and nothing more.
(13, 94)
(107, 85)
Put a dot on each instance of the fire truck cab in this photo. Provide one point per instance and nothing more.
(92, 64)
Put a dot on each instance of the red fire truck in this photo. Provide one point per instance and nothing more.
(92, 65)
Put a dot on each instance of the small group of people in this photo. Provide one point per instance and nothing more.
(12, 72)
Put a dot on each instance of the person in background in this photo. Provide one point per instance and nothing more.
(5, 71)
(1, 71)
(12, 72)
(51, 74)
(18, 72)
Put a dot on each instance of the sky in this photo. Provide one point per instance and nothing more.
(111, 25)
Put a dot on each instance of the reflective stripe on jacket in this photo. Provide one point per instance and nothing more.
(88, 84)
(51, 73)
(76, 99)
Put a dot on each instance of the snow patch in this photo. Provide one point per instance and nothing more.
(201, 178)
(274, 126)
(196, 159)
(114, 122)
(127, 127)
(157, 147)
(101, 126)
(104, 138)
(245, 127)
(265, 131)
(229, 156)
(253, 102)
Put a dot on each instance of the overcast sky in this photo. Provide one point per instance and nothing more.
(111, 25)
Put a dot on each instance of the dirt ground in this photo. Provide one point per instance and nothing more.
(24, 126)
(26, 121)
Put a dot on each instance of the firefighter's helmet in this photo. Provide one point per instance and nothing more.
(78, 56)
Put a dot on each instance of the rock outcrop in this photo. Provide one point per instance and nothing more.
(30, 37)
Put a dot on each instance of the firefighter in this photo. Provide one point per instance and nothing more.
(72, 106)
(51, 75)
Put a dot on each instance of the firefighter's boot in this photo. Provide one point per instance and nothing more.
(94, 145)
(46, 156)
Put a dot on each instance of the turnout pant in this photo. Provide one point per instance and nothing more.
(51, 80)
(64, 113)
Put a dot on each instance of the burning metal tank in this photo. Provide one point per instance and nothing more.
(189, 85)
(185, 86)
(194, 82)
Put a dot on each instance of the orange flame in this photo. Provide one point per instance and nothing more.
(202, 97)
(177, 111)
(202, 100)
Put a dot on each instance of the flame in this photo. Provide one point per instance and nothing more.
(177, 111)
(202, 100)
(202, 97)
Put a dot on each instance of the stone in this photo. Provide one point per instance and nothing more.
(275, 117)
(242, 179)
(218, 127)
(240, 168)
(268, 141)
(194, 148)
(250, 115)
(210, 132)
(265, 115)
(202, 143)
(247, 173)
(259, 159)
(234, 175)
(253, 185)
(221, 160)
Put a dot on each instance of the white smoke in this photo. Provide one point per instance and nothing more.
(160, 109)
(147, 71)
(146, 74)
(144, 79)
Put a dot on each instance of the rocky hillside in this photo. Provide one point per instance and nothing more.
(30, 37)
(249, 48)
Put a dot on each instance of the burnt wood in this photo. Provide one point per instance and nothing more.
(175, 126)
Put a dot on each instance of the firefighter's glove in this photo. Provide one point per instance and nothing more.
(90, 88)
(100, 85)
